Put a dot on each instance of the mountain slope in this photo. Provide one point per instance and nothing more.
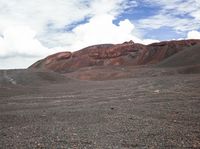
(187, 57)
(29, 77)
(125, 54)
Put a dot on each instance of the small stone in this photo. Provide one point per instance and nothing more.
(157, 91)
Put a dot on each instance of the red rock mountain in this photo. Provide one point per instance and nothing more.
(125, 54)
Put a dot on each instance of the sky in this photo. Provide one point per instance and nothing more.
(33, 29)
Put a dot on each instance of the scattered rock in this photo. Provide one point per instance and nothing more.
(157, 91)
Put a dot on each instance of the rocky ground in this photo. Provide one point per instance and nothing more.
(144, 111)
(105, 97)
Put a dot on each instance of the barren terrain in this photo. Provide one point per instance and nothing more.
(104, 97)
(137, 112)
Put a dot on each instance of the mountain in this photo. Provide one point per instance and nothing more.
(125, 54)
(105, 96)
(187, 57)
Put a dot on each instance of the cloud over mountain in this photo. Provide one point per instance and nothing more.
(33, 29)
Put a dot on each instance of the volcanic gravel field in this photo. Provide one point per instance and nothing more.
(137, 112)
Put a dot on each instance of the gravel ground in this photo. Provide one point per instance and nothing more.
(143, 112)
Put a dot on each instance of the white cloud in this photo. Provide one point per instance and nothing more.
(193, 35)
(20, 40)
(38, 14)
(100, 29)
(19, 48)
(16, 62)
(181, 15)
(45, 15)
(30, 30)
(158, 21)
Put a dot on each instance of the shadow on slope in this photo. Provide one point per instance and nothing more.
(30, 77)
(17, 82)
(186, 61)
(188, 57)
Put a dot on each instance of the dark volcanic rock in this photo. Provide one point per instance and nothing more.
(125, 54)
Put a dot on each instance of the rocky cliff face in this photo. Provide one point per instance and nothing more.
(125, 54)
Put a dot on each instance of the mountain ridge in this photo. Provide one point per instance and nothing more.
(125, 54)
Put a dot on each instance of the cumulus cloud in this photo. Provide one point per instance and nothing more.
(33, 29)
(17, 62)
(193, 35)
(20, 40)
(36, 28)
(19, 47)
(30, 30)
(38, 14)
(100, 29)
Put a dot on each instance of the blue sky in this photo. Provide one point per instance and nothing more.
(143, 11)
(33, 29)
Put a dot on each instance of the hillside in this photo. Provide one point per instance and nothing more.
(105, 96)
(125, 54)
(187, 57)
